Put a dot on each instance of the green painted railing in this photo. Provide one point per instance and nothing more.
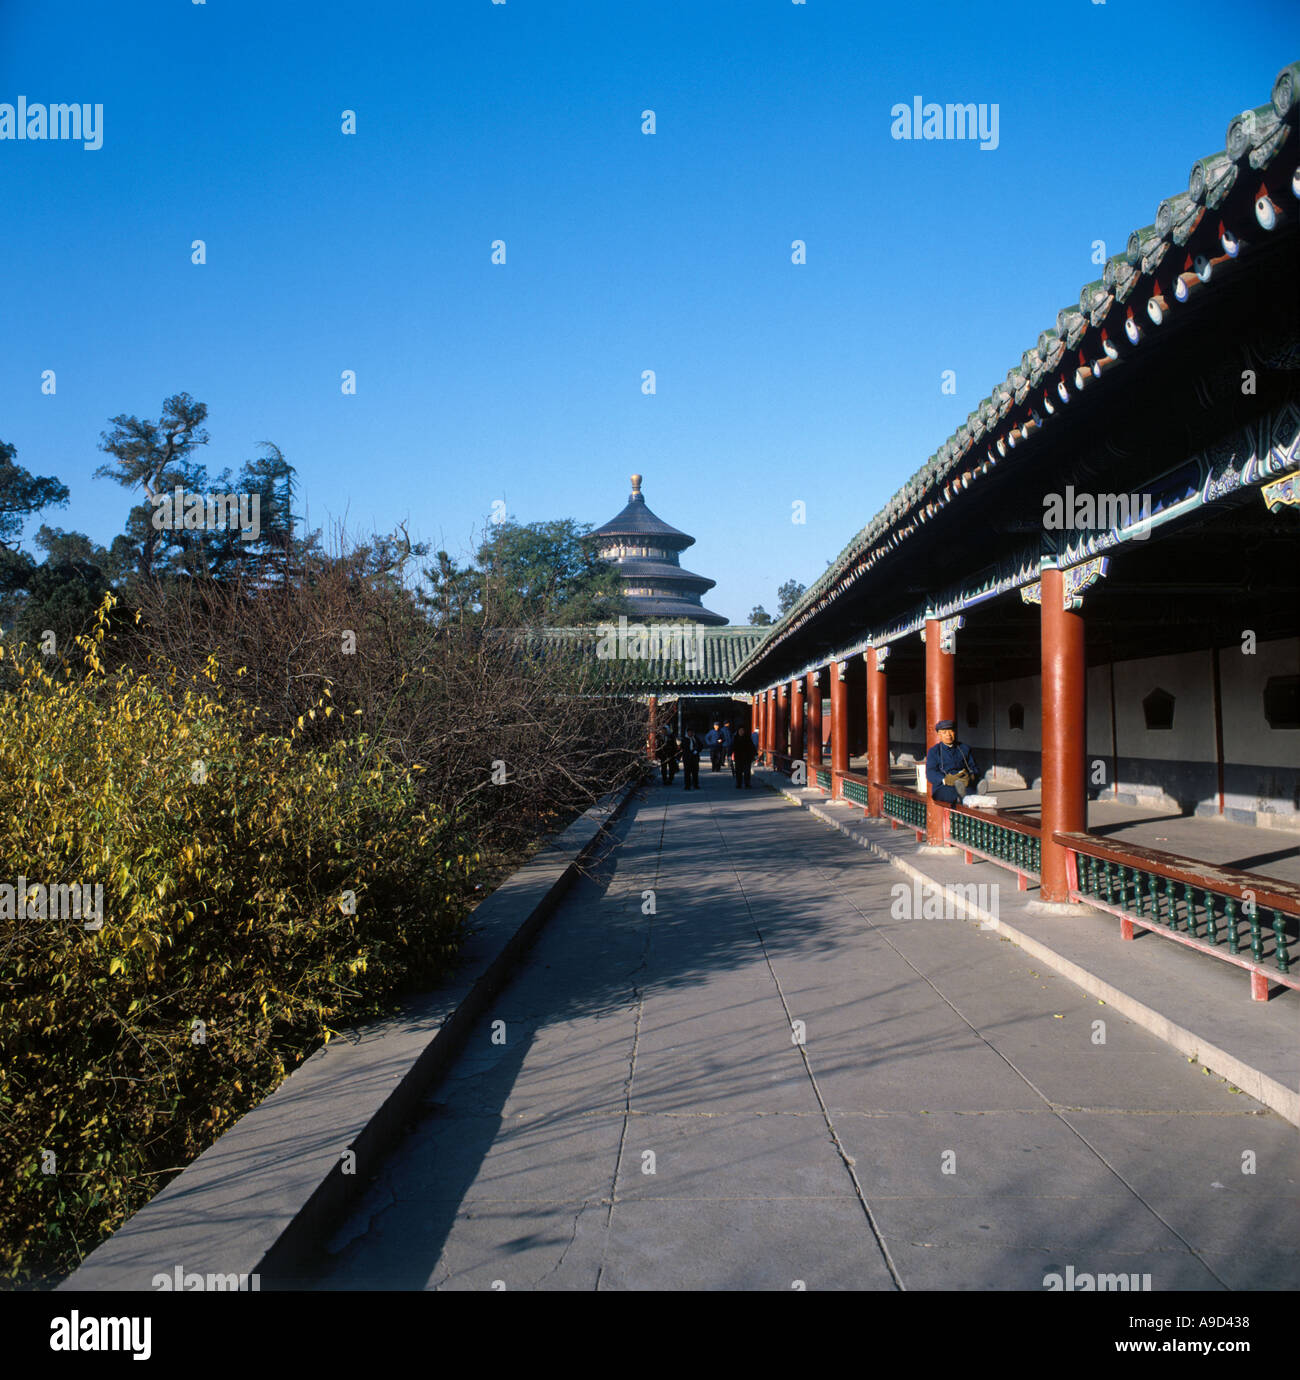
(905, 806)
(1248, 919)
(823, 778)
(856, 791)
(1020, 848)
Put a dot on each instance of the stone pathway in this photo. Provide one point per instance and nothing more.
(727, 1064)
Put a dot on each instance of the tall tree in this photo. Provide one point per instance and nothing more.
(542, 574)
(454, 594)
(273, 557)
(759, 617)
(788, 596)
(150, 456)
(22, 494)
(64, 591)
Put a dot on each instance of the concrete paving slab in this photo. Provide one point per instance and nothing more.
(1169, 1152)
(743, 1243)
(724, 1155)
(736, 1073)
(1192, 1176)
(491, 1246)
(1246, 1271)
(941, 1265)
(1080, 1225)
(462, 1159)
(951, 1069)
(952, 1155)
(1061, 1061)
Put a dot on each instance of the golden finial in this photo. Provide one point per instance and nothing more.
(636, 485)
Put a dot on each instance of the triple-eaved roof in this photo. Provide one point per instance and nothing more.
(1150, 274)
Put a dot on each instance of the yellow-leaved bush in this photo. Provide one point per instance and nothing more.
(257, 893)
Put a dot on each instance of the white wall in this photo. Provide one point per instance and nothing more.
(1174, 768)
(1246, 734)
(1262, 764)
(1188, 677)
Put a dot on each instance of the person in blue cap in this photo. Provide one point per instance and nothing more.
(950, 766)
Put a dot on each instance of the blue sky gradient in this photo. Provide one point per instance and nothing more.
(522, 122)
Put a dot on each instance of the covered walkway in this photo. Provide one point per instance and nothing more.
(727, 1065)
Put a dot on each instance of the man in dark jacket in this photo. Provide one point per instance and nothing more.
(950, 766)
(743, 753)
(667, 755)
(713, 740)
(691, 760)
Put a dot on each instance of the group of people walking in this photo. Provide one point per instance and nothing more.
(721, 741)
(950, 765)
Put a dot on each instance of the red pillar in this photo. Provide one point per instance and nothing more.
(813, 721)
(765, 742)
(782, 746)
(650, 735)
(839, 730)
(877, 729)
(940, 703)
(1065, 791)
(796, 718)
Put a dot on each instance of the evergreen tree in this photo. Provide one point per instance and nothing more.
(22, 494)
(788, 596)
(152, 456)
(542, 574)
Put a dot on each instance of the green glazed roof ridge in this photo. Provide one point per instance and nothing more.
(722, 648)
(1262, 130)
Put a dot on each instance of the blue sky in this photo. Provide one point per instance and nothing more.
(625, 251)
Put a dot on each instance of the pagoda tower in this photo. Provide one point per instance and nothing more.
(646, 552)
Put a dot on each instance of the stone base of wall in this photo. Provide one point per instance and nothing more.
(1264, 818)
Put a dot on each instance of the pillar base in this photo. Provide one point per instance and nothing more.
(1057, 908)
(938, 850)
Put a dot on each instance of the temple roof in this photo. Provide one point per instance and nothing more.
(1233, 197)
(644, 568)
(670, 592)
(665, 606)
(663, 666)
(636, 520)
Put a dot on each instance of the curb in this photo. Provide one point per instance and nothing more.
(264, 1194)
(1261, 1086)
